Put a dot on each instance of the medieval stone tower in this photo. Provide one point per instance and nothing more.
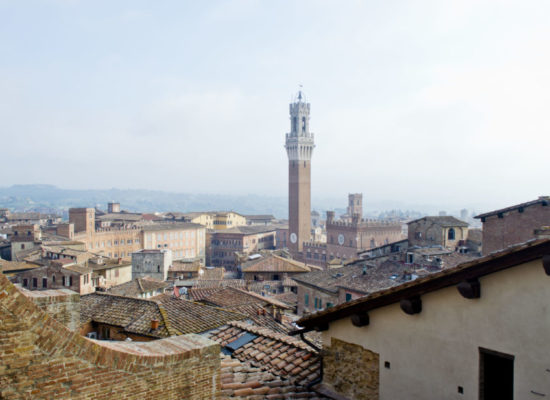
(299, 147)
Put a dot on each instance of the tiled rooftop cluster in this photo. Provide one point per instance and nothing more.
(283, 355)
(242, 380)
(138, 287)
(176, 316)
(259, 310)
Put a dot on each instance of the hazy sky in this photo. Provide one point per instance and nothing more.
(439, 102)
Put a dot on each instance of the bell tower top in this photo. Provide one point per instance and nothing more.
(299, 142)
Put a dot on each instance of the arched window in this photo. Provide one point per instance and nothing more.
(451, 234)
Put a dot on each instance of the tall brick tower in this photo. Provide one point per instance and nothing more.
(299, 147)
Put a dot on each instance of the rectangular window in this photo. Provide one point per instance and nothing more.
(137, 240)
(496, 375)
(348, 296)
(44, 282)
(329, 305)
(25, 283)
(34, 282)
(116, 242)
(121, 241)
(315, 303)
(306, 299)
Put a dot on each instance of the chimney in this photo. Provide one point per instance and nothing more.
(154, 324)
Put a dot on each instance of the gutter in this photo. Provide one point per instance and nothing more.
(317, 349)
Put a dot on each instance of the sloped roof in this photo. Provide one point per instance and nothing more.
(231, 297)
(258, 315)
(189, 317)
(240, 378)
(278, 353)
(443, 220)
(81, 269)
(274, 263)
(545, 200)
(289, 298)
(6, 266)
(178, 266)
(197, 294)
(171, 227)
(134, 315)
(248, 230)
(137, 287)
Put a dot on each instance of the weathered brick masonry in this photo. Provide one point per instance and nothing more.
(41, 359)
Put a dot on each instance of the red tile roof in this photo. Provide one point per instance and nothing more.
(282, 355)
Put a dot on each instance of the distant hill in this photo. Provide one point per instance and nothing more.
(49, 197)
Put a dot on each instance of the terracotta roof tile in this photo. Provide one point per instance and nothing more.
(138, 286)
(289, 362)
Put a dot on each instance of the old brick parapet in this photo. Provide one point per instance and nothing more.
(41, 358)
(62, 304)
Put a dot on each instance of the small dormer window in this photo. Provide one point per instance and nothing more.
(451, 234)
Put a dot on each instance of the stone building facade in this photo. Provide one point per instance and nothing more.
(445, 231)
(42, 358)
(345, 239)
(224, 245)
(152, 263)
(515, 224)
(73, 277)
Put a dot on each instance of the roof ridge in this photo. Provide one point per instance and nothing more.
(167, 324)
(120, 296)
(140, 285)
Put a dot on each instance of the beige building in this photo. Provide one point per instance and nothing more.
(476, 331)
(186, 240)
(110, 272)
(218, 220)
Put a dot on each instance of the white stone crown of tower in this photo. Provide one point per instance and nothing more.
(300, 141)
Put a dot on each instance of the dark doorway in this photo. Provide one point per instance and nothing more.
(496, 375)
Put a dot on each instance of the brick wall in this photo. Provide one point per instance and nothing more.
(41, 359)
(514, 227)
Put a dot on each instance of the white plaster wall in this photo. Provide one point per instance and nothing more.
(434, 352)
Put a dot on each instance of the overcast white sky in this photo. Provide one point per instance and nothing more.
(428, 102)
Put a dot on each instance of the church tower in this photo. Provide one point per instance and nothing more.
(299, 147)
